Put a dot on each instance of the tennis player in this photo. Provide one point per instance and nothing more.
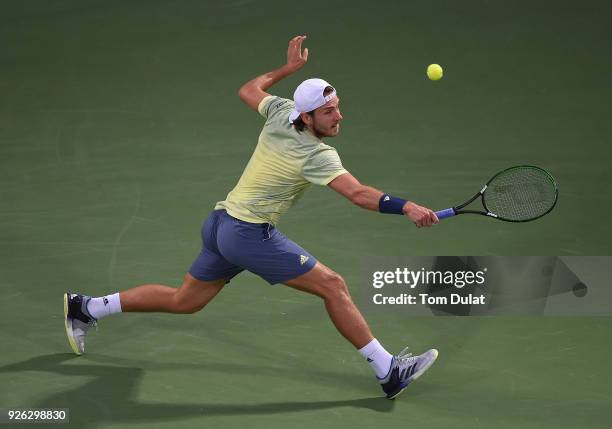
(241, 234)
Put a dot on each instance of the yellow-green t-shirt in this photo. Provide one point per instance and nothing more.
(283, 165)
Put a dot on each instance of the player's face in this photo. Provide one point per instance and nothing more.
(326, 119)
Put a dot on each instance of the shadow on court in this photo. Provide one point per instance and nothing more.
(110, 396)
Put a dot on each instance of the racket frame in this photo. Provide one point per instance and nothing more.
(457, 210)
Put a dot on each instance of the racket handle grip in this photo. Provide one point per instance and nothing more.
(442, 214)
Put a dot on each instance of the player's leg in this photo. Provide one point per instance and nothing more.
(81, 312)
(348, 320)
(331, 287)
(394, 373)
(190, 297)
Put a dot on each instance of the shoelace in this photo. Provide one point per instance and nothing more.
(405, 355)
(405, 359)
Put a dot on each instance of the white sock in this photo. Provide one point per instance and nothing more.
(378, 357)
(104, 306)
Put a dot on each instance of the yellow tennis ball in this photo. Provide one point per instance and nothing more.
(434, 72)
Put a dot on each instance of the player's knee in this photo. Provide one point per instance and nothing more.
(187, 307)
(335, 287)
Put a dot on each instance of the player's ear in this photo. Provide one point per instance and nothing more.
(306, 118)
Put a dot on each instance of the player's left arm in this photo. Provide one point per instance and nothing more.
(371, 198)
(254, 90)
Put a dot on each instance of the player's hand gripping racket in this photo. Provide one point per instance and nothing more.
(516, 194)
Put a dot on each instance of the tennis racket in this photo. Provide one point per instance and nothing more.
(516, 194)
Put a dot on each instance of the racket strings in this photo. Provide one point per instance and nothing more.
(521, 193)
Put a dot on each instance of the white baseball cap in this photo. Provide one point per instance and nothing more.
(308, 96)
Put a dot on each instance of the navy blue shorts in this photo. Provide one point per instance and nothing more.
(231, 245)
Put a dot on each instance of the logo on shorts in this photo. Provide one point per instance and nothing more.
(105, 301)
(303, 259)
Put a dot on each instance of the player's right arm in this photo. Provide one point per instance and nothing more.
(254, 90)
(369, 198)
